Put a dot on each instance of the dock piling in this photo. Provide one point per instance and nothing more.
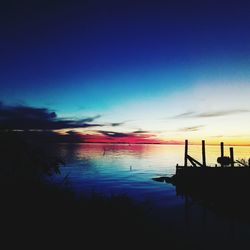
(186, 153)
(232, 156)
(222, 152)
(203, 154)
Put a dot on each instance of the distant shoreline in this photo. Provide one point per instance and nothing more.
(151, 143)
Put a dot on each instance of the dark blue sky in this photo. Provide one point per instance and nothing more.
(94, 55)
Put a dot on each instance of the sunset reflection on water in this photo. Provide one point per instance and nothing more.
(129, 168)
(111, 169)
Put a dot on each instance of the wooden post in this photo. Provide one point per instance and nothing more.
(222, 152)
(232, 156)
(203, 154)
(186, 153)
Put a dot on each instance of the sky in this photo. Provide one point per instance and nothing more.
(127, 71)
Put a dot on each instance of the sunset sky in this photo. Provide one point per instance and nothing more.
(127, 71)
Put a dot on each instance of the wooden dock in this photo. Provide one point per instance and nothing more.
(198, 174)
(224, 187)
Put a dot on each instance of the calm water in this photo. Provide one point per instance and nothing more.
(115, 169)
(119, 168)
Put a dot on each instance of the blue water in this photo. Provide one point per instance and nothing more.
(122, 169)
(128, 169)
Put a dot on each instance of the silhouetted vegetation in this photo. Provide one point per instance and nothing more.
(26, 159)
(39, 213)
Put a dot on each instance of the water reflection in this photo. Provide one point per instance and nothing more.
(119, 168)
(215, 228)
(129, 168)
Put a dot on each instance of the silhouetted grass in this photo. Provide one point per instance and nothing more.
(49, 214)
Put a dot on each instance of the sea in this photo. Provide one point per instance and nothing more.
(129, 169)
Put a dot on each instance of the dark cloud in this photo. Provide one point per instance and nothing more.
(211, 114)
(119, 137)
(191, 129)
(141, 132)
(116, 124)
(136, 134)
(90, 119)
(114, 134)
(28, 118)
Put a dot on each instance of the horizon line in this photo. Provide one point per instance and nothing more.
(158, 143)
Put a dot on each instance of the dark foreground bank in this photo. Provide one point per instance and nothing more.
(37, 213)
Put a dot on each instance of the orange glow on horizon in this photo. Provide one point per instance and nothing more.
(147, 138)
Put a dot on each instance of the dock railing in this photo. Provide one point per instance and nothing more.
(224, 161)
